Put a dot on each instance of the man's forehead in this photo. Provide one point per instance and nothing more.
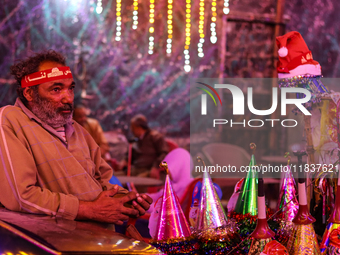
(48, 65)
(61, 82)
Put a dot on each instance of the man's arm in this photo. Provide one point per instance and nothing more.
(18, 179)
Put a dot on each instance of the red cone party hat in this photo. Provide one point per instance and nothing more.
(294, 57)
(171, 222)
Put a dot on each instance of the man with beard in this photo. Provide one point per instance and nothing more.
(49, 164)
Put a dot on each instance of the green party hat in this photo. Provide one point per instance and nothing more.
(247, 199)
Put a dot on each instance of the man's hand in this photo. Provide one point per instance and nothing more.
(107, 208)
(143, 203)
(154, 173)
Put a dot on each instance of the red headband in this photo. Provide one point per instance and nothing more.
(55, 73)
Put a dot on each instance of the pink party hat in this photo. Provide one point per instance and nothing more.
(171, 222)
(211, 213)
(287, 199)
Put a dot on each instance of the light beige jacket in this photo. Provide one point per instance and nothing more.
(40, 173)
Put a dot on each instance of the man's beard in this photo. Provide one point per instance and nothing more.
(48, 113)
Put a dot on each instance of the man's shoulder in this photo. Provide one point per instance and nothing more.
(155, 134)
(92, 122)
(11, 112)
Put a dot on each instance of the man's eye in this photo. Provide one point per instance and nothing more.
(56, 89)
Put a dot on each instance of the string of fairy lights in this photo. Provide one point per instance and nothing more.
(151, 28)
(119, 19)
(169, 22)
(201, 30)
(187, 66)
(135, 14)
(170, 25)
(213, 37)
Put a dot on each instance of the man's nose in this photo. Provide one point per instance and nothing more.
(67, 97)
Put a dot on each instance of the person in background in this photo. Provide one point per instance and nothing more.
(149, 150)
(50, 164)
(93, 127)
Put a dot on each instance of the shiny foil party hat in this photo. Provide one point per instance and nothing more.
(262, 233)
(333, 226)
(211, 213)
(287, 199)
(247, 199)
(303, 239)
(171, 222)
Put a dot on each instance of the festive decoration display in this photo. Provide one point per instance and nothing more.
(330, 241)
(151, 28)
(173, 234)
(187, 66)
(213, 37)
(287, 201)
(170, 16)
(287, 204)
(216, 235)
(303, 239)
(294, 57)
(119, 20)
(196, 203)
(135, 14)
(201, 30)
(262, 233)
(247, 199)
(274, 248)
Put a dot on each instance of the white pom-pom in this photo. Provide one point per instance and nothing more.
(283, 52)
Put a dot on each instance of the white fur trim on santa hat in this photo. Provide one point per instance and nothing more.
(283, 52)
(302, 70)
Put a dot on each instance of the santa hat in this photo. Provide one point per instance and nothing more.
(295, 59)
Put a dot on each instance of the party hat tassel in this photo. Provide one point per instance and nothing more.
(247, 200)
(303, 239)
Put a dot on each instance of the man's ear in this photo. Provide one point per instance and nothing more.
(28, 94)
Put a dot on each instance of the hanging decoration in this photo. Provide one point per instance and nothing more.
(226, 9)
(135, 14)
(170, 16)
(119, 19)
(201, 30)
(213, 37)
(99, 8)
(187, 66)
(151, 28)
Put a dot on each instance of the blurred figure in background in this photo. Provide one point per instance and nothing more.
(93, 127)
(149, 150)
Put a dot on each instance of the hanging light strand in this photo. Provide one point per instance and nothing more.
(119, 19)
(213, 37)
(187, 66)
(201, 30)
(226, 9)
(151, 28)
(99, 7)
(170, 16)
(135, 14)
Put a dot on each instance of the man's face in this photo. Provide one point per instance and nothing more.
(135, 130)
(53, 102)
